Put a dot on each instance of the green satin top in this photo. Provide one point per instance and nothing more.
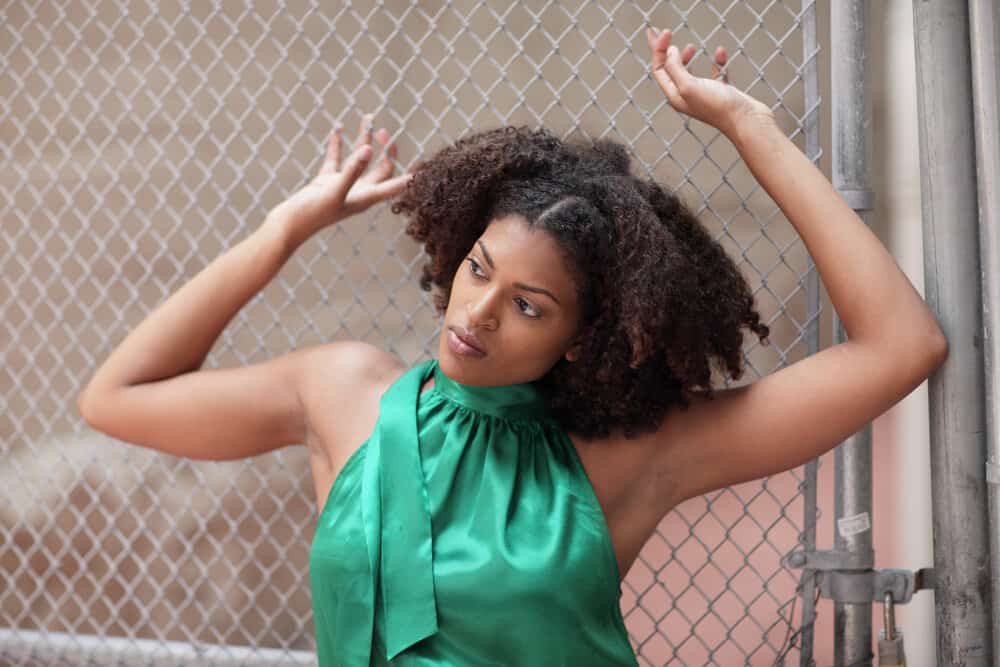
(464, 531)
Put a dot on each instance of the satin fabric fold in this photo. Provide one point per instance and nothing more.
(464, 531)
(403, 529)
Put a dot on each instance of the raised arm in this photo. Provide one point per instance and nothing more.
(150, 390)
(799, 412)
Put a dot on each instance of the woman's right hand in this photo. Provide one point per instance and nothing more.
(337, 192)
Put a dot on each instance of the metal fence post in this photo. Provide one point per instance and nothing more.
(813, 146)
(851, 118)
(952, 285)
(984, 28)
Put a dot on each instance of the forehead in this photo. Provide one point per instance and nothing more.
(516, 248)
(511, 238)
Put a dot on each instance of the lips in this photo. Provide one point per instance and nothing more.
(469, 339)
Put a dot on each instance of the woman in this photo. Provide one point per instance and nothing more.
(488, 502)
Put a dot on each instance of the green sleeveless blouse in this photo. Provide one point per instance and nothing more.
(464, 531)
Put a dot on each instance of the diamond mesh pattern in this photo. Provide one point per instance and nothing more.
(142, 139)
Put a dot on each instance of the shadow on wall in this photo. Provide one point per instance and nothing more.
(130, 544)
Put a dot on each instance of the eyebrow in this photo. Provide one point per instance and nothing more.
(527, 288)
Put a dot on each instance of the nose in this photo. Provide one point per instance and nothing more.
(480, 310)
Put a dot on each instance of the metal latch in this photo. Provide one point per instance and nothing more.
(848, 576)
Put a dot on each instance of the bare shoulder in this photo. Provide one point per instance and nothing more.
(342, 384)
(351, 365)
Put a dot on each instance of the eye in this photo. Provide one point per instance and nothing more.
(531, 312)
(522, 305)
(475, 269)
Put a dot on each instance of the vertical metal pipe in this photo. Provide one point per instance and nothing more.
(953, 291)
(810, 49)
(851, 120)
(984, 25)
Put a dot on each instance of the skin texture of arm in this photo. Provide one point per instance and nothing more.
(151, 390)
(803, 410)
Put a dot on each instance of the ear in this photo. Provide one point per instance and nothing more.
(576, 344)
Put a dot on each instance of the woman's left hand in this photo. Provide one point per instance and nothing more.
(711, 101)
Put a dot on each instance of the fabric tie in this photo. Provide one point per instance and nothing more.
(396, 512)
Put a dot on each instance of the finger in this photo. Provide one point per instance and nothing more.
(720, 63)
(651, 35)
(332, 161)
(687, 54)
(379, 191)
(389, 153)
(387, 164)
(674, 97)
(681, 77)
(720, 56)
(658, 44)
(355, 164)
(365, 129)
(670, 89)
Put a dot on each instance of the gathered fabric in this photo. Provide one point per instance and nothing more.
(464, 531)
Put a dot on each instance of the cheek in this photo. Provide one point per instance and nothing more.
(455, 292)
(544, 340)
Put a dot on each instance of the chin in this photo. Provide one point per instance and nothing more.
(461, 370)
(446, 360)
(451, 364)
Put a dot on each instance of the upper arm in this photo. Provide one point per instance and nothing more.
(225, 413)
(784, 419)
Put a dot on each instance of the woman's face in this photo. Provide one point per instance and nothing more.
(516, 297)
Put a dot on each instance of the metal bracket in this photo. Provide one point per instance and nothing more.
(992, 473)
(848, 576)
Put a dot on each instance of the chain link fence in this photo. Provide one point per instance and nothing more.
(141, 139)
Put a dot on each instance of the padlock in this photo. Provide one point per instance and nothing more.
(890, 640)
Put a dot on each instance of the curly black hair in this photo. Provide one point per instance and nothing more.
(660, 297)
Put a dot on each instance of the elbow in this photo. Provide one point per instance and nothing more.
(937, 352)
(938, 345)
(939, 349)
(93, 400)
(84, 408)
(88, 406)
(929, 344)
(919, 357)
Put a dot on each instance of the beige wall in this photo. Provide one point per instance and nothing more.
(117, 198)
(903, 534)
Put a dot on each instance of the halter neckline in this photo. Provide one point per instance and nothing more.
(510, 401)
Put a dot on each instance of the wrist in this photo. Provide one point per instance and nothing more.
(278, 237)
(751, 126)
